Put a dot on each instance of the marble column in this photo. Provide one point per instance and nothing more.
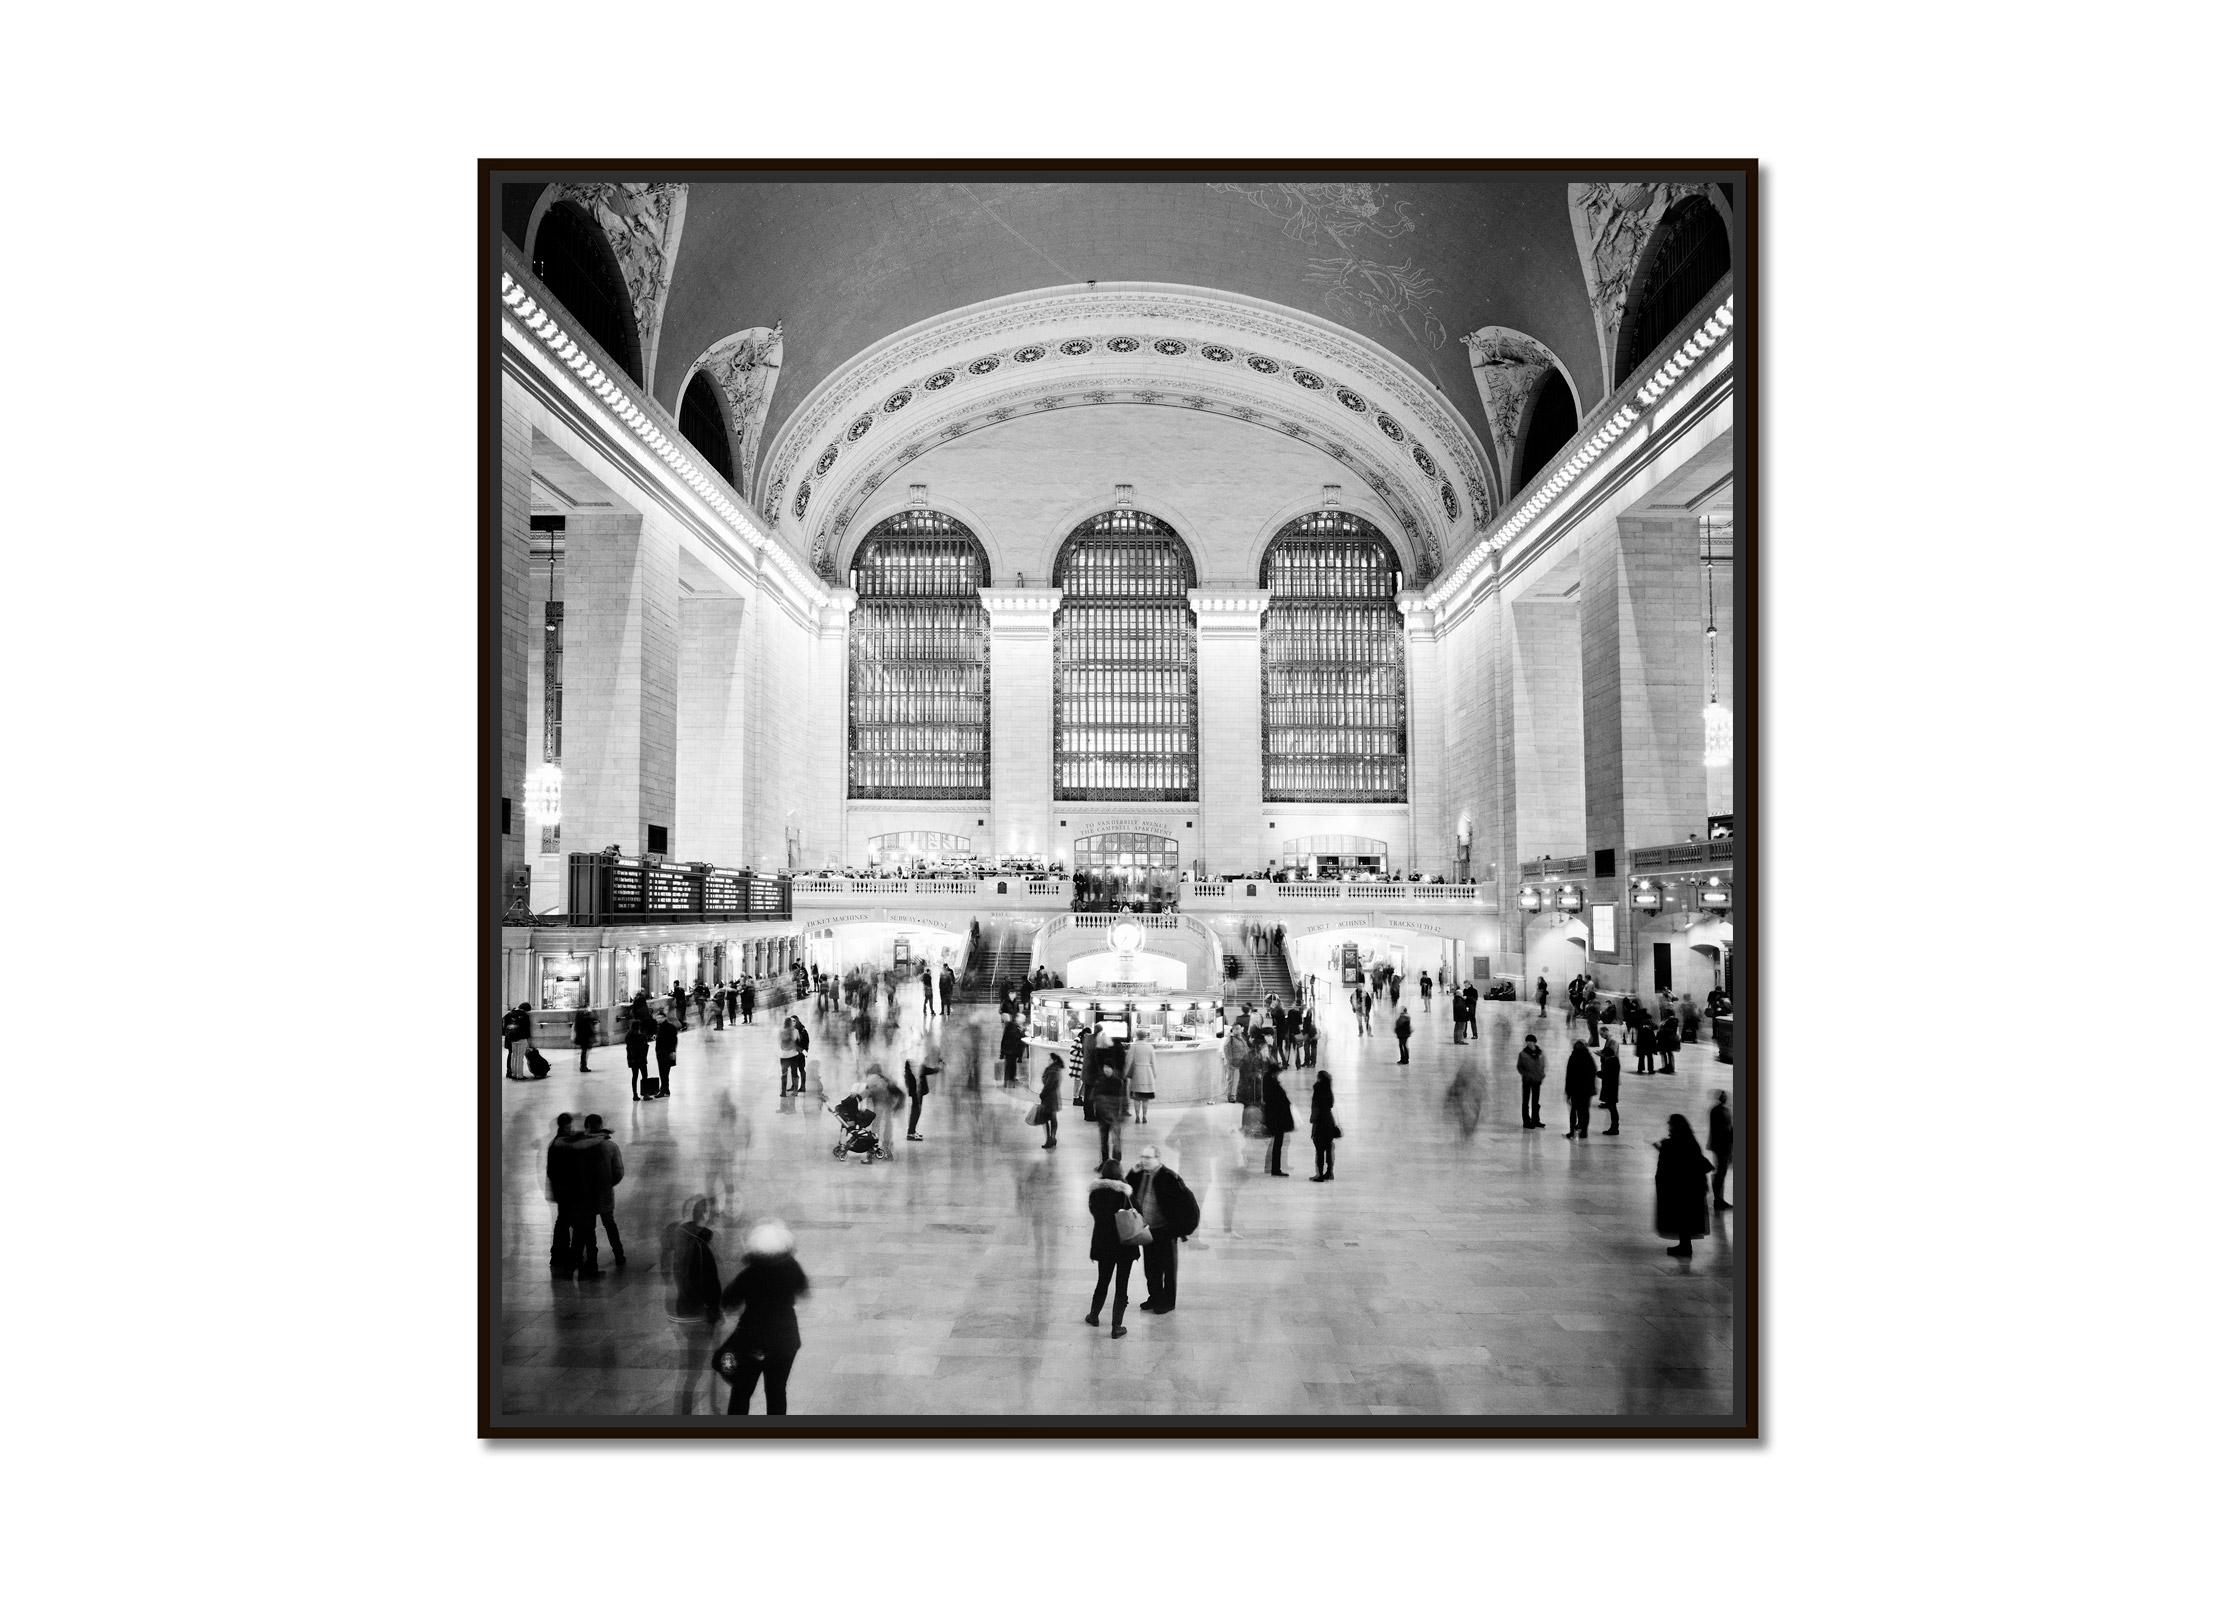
(1021, 709)
(619, 680)
(1230, 780)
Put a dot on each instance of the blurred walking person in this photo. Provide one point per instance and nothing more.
(695, 1301)
(1722, 1149)
(1611, 1073)
(1108, 1102)
(1275, 1109)
(767, 1339)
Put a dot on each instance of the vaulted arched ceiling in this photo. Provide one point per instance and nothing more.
(1411, 266)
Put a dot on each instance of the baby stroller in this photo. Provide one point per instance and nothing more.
(856, 1137)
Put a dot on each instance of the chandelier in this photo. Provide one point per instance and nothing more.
(1718, 721)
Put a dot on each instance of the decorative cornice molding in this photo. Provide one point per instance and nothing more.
(1407, 515)
(1242, 603)
(1135, 340)
(1022, 601)
(603, 393)
(1682, 352)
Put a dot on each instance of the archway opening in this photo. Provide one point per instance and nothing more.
(1554, 418)
(702, 419)
(1691, 256)
(573, 260)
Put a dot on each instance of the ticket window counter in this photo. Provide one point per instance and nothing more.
(1059, 1016)
(563, 982)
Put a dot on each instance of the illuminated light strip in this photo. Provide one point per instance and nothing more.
(1697, 345)
(572, 356)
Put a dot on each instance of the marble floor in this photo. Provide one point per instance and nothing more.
(1507, 1273)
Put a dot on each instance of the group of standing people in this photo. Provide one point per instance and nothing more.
(1145, 1214)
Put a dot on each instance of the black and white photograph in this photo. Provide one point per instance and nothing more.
(1119, 801)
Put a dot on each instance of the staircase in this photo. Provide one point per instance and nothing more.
(1258, 976)
(1005, 947)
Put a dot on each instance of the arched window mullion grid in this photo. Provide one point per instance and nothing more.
(1333, 676)
(1692, 255)
(918, 662)
(1126, 648)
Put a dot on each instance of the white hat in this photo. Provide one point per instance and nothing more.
(770, 1238)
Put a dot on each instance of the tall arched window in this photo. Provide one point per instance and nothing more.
(1333, 691)
(574, 261)
(918, 662)
(1554, 419)
(701, 419)
(1691, 256)
(1127, 662)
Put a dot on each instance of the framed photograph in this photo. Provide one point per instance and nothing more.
(1046, 732)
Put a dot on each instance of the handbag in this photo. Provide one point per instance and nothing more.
(1037, 1114)
(1128, 1223)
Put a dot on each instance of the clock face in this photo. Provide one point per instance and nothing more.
(1125, 938)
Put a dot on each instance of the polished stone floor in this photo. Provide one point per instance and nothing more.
(1504, 1273)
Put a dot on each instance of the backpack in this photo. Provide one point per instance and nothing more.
(1181, 1209)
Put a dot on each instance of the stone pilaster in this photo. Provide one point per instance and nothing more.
(822, 784)
(1430, 834)
(1229, 737)
(619, 682)
(1021, 709)
(1551, 793)
(515, 628)
(715, 667)
(1641, 675)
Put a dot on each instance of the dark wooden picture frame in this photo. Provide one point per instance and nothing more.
(495, 806)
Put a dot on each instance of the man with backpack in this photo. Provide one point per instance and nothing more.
(1170, 1211)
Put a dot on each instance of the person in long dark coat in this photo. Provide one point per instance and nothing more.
(768, 1336)
(1578, 1090)
(664, 1055)
(586, 1035)
(1401, 1028)
(1109, 1195)
(1611, 1073)
(1668, 1039)
(1275, 1108)
(1682, 1209)
(1322, 1127)
(1722, 1150)
(1053, 1078)
(637, 1039)
(1644, 1046)
(1011, 1050)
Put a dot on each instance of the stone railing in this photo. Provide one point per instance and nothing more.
(1703, 853)
(1259, 891)
(977, 891)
